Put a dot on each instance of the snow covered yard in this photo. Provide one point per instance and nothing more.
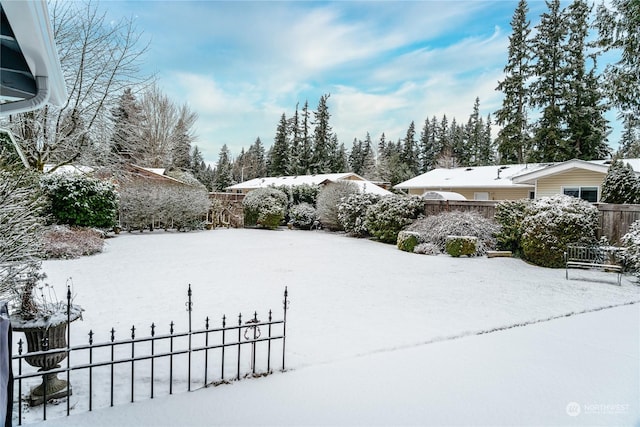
(350, 298)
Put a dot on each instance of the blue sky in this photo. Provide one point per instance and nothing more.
(241, 64)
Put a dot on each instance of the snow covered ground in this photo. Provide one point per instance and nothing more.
(361, 313)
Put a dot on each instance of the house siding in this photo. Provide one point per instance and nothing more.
(552, 185)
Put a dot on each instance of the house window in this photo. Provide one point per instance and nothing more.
(590, 194)
(532, 195)
(481, 195)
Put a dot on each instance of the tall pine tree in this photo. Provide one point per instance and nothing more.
(513, 138)
(547, 88)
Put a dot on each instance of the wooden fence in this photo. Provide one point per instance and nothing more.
(614, 220)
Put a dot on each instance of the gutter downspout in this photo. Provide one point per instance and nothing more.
(30, 104)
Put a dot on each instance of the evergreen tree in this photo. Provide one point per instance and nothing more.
(513, 139)
(126, 117)
(295, 136)
(180, 152)
(356, 156)
(254, 161)
(457, 138)
(587, 127)
(475, 135)
(279, 153)
(322, 138)
(409, 150)
(383, 167)
(443, 144)
(547, 88)
(340, 160)
(486, 153)
(223, 173)
(630, 138)
(306, 151)
(621, 185)
(368, 159)
(618, 30)
(427, 148)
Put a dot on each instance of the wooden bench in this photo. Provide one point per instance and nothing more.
(599, 257)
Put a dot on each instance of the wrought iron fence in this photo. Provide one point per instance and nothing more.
(144, 356)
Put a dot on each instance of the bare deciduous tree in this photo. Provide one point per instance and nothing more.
(99, 60)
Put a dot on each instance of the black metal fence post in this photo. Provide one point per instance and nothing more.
(206, 349)
(68, 349)
(224, 329)
(153, 333)
(133, 354)
(189, 305)
(90, 370)
(113, 337)
(284, 325)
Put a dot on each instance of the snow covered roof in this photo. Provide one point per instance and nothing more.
(504, 176)
(318, 179)
(470, 177)
(75, 169)
(442, 195)
(290, 181)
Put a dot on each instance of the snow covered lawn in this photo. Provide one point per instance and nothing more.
(349, 297)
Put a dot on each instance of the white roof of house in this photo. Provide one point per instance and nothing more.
(503, 176)
(291, 181)
(470, 177)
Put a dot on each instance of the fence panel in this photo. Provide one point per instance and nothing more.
(146, 366)
(615, 220)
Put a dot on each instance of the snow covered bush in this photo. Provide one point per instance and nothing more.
(303, 193)
(408, 240)
(64, 242)
(509, 215)
(631, 242)
(621, 185)
(436, 228)
(426, 249)
(20, 236)
(352, 211)
(330, 198)
(385, 219)
(79, 200)
(264, 207)
(303, 215)
(145, 204)
(551, 223)
(461, 245)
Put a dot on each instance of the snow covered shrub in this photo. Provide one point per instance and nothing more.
(435, 229)
(408, 240)
(385, 219)
(352, 211)
(509, 215)
(631, 242)
(426, 249)
(264, 207)
(303, 193)
(621, 185)
(80, 200)
(303, 215)
(461, 245)
(330, 198)
(551, 223)
(20, 233)
(63, 242)
(145, 204)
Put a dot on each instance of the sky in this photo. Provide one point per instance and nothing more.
(241, 65)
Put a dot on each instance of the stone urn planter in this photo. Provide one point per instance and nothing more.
(46, 334)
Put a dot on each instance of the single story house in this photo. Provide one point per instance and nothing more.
(575, 177)
(318, 179)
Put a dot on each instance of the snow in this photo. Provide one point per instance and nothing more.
(374, 335)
